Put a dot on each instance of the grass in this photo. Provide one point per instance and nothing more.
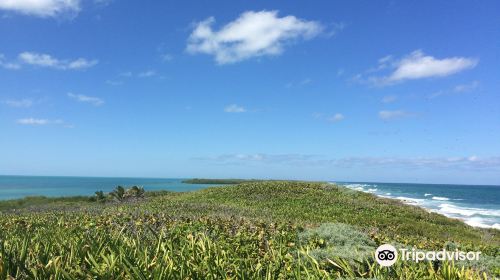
(33, 201)
(253, 230)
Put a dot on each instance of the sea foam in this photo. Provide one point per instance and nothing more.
(467, 211)
(440, 198)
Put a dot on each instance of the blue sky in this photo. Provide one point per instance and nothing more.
(347, 90)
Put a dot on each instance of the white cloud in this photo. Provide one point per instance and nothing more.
(103, 2)
(40, 122)
(388, 115)
(417, 65)
(471, 162)
(300, 83)
(466, 87)
(233, 108)
(45, 60)
(120, 79)
(253, 34)
(86, 99)
(336, 118)
(389, 98)
(19, 103)
(81, 63)
(41, 8)
(125, 74)
(305, 81)
(114, 82)
(146, 74)
(167, 57)
(8, 65)
(288, 159)
(451, 163)
(33, 121)
(462, 88)
(318, 115)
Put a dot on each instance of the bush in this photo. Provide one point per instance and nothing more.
(100, 196)
(135, 191)
(118, 193)
(336, 240)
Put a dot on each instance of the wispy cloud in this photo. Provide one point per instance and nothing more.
(259, 158)
(147, 74)
(389, 98)
(302, 82)
(470, 162)
(86, 99)
(43, 122)
(103, 3)
(336, 118)
(33, 121)
(166, 57)
(466, 87)
(234, 108)
(114, 82)
(42, 8)
(334, 28)
(45, 60)
(456, 163)
(125, 74)
(19, 103)
(8, 65)
(397, 114)
(458, 89)
(416, 65)
(163, 50)
(253, 34)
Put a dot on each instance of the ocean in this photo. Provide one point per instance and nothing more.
(12, 187)
(476, 205)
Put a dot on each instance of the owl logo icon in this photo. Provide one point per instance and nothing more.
(386, 255)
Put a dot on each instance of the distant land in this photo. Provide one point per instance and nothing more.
(218, 181)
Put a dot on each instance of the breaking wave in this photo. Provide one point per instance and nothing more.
(448, 206)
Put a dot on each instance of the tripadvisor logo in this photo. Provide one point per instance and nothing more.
(387, 255)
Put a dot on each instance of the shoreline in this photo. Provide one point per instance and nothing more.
(427, 202)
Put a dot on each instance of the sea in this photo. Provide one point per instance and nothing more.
(13, 187)
(476, 205)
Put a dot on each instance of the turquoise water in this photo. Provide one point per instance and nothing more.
(476, 205)
(12, 187)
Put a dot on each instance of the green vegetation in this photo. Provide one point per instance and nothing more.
(254, 230)
(218, 181)
(121, 194)
(40, 201)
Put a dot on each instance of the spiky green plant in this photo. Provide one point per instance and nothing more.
(118, 193)
(100, 196)
(136, 192)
